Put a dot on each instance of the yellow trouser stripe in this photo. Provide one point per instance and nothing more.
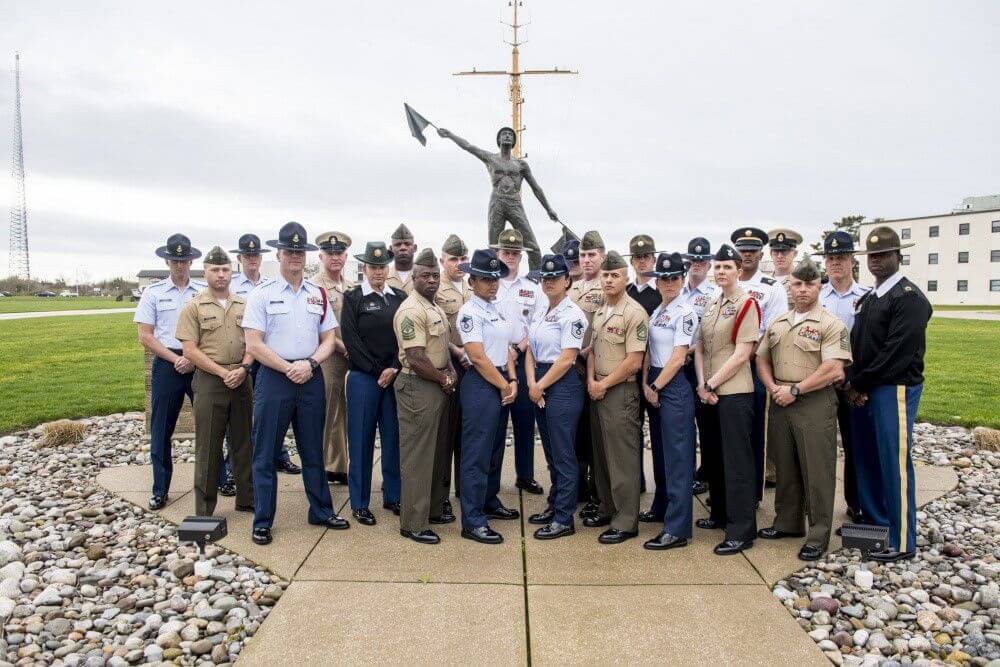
(904, 491)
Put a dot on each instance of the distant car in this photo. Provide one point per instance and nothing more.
(6, 294)
(67, 292)
(136, 294)
(45, 293)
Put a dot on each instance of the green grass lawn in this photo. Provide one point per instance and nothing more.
(32, 304)
(82, 366)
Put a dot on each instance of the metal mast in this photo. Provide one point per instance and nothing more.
(19, 265)
(515, 73)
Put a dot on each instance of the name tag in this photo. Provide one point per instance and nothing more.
(277, 308)
(314, 308)
(371, 307)
(166, 304)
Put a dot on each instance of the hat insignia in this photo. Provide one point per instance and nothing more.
(748, 232)
(697, 248)
(180, 248)
(873, 239)
(781, 237)
(493, 264)
(377, 252)
(549, 266)
(641, 243)
(295, 238)
(834, 243)
(251, 244)
(511, 238)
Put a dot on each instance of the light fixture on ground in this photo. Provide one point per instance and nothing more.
(201, 530)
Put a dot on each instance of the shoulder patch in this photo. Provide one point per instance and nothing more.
(687, 325)
(406, 329)
(767, 281)
(641, 330)
(466, 323)
(845, 340)
(577, 329)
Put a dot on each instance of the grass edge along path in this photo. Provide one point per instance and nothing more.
(37, 304)
(69, 367)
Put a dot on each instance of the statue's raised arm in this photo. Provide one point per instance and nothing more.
(464, 145)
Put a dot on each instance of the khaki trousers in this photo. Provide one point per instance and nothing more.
(216, 409)
(803, 437)
(617, 454)
(335, 430)
(422, 410)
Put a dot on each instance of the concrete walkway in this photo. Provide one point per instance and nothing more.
(64, 313)
(969, 314)
(367, 595)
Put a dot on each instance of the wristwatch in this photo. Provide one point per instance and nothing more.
(794, 391)
(313, 363)
(652, 385)
(709, 388)
(246, 367)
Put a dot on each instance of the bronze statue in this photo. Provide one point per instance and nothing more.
(506, 173)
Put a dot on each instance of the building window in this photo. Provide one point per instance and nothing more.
(995, 285)
(995, 255)
(963, 285)
(934, 231)
(963, 229)
(996, 226)
(963, 257)
(906, 260)
(932, 258)
(932, 286)
(905, 232)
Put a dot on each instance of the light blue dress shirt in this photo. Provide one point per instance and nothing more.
(291, 321)
(482, 322)
(160, 305)
(670, 325)
(559, 329)
(842, 305)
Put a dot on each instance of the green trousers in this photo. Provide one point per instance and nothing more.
(220, 412)
(422, 410)
(617, 454)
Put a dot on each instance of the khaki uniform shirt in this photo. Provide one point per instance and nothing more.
(217, 331)
(420, 323)
(796, 350)
(717, 340)
(588, 295)
(393, 280)
(618, 330)
(335, 293)
(450, 300)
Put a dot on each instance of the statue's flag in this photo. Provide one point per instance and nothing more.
(417, 124)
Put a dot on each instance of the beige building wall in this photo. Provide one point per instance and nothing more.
(966, 249)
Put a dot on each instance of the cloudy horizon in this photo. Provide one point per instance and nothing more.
(218, 119)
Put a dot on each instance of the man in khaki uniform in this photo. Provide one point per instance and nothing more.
(801, 357)
(452, 295)
(333, 255)
(209, 328)
(422, 389)
(403, 249)
(619, 341)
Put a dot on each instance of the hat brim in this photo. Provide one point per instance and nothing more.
(502, 271)
(285, 246)
(748, 246)
(540, 275)
(256, 251)
(698, 258)
(901, 246)
(164, 252)
(654, 251)
(376, 261)
(662, 274)
(498, 246)
(852, 251)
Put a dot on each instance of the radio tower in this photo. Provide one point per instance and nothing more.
(515, 74)
(19, 265)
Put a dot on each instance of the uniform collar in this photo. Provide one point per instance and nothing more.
(739, 294)
(642, 286)
(814, 314)
(884, 288)
(283, 284)
(483, 303)
(242, 277)
(562, 305)
(676, 302)
(855, 289)
(205, 296)
(619, 307)
(322, 280)
(704, 286)
(419, 298)
(168, 285)
(756, 278)
(366, 289)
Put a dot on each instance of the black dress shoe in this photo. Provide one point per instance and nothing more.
(336, 477)
(811, 552)
(157, 502)
(665, 541)
(392, 507)
(364, 516)
(483, 534)
(615, 536)
(441, 520)
(709, 524)
(772, 533)
(890, 556)
(288, 468)
(698, 487)
(855, 515)
(554, 530)
(649, 516)
(262, 535)
(596, 521)
(503, 513)
(333, 523)
(446, 507)
(423, 537)
(542, 518)
(228, 489)
(529, 485)
(244, 508)
(590, 509)
(731, 547)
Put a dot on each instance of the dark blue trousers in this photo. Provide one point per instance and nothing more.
(557, 427)
(883, 438)
(371, 406)
(484, 424)
(522, 416)
(758, 433)
(672, 433)
(167, 391)
(278, 403)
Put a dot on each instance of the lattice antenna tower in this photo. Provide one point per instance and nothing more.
(515, 73)
(19, 261)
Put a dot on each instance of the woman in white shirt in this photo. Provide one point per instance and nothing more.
(671, 327)
(555, 337)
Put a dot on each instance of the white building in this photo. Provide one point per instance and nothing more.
(956, 256)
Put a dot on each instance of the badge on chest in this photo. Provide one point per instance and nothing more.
(810, 333)
(728, 311)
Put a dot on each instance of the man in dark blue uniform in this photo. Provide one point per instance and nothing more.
(888, 342)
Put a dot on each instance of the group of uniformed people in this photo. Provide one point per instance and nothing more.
(438, 353)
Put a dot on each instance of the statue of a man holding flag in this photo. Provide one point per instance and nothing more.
(506, 173)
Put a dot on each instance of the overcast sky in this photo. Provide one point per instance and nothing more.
(217, 118)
